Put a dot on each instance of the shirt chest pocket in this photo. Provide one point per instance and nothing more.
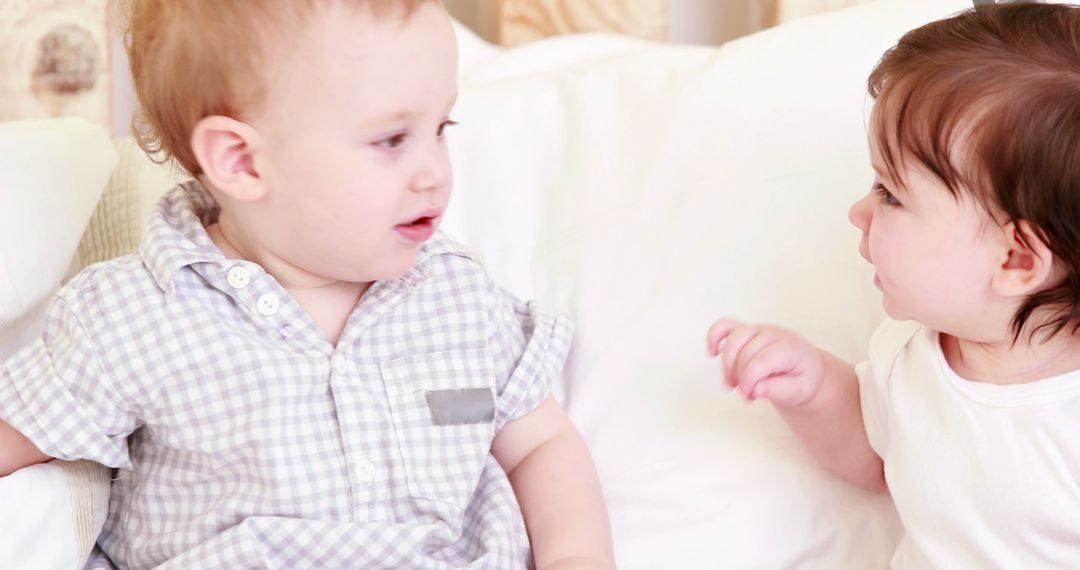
(443, 409)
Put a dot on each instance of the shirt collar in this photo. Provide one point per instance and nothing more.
(176, 237)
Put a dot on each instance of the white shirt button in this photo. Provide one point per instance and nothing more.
(340, 364)
(365, 471)
(268, 304)
(238, 277)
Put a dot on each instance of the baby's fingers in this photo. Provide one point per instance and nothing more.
(718, 332)
(779, 376)
(773, 363)
(735, 354)
(783, 391)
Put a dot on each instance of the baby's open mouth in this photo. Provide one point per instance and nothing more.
(418, 230)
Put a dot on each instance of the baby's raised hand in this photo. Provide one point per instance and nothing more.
(768, 362)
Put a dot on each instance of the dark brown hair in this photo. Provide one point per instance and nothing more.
(1005, 81)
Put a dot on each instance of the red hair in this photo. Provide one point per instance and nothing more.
(192, 59)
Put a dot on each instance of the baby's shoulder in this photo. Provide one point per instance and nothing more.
(105, 287)
(892, 335)
(891, 339)
(444, 258)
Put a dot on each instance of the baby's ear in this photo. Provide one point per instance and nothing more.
(1027, 264)
(225, 149)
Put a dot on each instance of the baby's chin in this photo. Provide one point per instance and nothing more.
(389, 270)
(892, 310)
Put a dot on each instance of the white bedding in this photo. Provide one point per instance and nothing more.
(51, 175)
(37, 520)
(651, 189)
(647, 189)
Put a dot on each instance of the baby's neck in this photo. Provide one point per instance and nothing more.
(330, 307)
(329, 303)
(1003, 362)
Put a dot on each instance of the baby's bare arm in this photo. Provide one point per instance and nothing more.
(556, 484)
(16, 451)
(815, 392)
(831, 426)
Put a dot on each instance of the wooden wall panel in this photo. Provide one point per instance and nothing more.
(787, 10)
(520, 21)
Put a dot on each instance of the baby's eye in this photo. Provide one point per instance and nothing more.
(886, 197)
(391, 141)
(444, 125)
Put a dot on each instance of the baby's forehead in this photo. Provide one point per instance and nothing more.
(372, 74)
(912, 129)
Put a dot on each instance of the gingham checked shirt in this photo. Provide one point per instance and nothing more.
(245, 439)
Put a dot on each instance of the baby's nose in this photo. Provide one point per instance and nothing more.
(860, 213)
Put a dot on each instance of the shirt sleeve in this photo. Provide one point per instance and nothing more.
(55, 392)
(529, 349)
(874, 414)
(874, 375)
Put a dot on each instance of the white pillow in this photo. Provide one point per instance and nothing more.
(36, 520)
(52, 173)
(472, 49)
(653, 190)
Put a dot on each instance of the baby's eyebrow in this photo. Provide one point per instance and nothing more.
(399, 116)
(389, 119)
(406, 114)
